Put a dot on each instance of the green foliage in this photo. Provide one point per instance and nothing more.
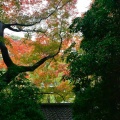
(100, 102)
(46, 48)
(20, 100)
(96, 71)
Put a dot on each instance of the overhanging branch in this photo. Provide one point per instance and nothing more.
(21, 30)
(9, 26)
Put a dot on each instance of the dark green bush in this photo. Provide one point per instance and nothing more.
(20, 100)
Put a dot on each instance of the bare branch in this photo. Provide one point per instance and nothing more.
(10, 74)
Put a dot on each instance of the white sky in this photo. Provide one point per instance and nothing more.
(82, 7)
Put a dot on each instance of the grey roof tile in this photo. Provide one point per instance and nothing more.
(55, 111)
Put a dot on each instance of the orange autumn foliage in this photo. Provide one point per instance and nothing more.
(18, 49)
(64, 85)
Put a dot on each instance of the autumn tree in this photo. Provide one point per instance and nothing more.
(95, 69)
(46, 18)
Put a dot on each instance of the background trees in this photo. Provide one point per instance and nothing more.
(95, 67)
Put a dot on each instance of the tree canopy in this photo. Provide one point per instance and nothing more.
(95, 68)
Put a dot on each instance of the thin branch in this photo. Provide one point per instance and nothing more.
(32, 24)
(28, 25)
(21, 30)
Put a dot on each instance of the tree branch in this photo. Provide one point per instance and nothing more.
(21, 30)
(32, 24)
(6, 58)
(40, 62)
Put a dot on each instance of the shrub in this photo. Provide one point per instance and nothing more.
(20, 100)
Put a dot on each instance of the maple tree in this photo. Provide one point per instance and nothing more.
(48, 19)
(49, 79)
(50, 73)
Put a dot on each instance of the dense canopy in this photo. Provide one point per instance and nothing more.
(95, 68)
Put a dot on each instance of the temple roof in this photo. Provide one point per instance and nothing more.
(57, 111)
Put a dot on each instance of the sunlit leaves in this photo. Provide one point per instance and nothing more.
(45, 46)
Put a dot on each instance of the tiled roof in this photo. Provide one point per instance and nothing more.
(55, 111)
